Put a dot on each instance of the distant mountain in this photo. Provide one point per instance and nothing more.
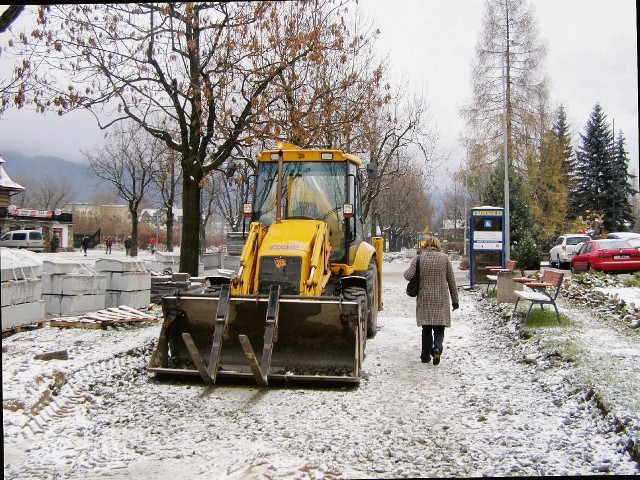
(19, 166)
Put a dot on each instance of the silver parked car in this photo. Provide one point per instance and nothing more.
(561, 253)
(27, 239)
(631, 237)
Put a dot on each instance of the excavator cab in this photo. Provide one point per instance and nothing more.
(313, 190)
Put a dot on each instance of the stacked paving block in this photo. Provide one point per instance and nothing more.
(128, 282)
(21, 289)
(164, 260)
(70, 288)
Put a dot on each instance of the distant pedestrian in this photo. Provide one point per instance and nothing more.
(437, 289)
(596, 226)
(127, 247)
(152, 245)
(109, 244)
(85, 244)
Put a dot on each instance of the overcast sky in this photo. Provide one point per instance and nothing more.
(592, 57)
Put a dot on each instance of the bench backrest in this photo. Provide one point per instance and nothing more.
(555, 279)
(552, 277)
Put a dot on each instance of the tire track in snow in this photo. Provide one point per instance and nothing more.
(55, 406)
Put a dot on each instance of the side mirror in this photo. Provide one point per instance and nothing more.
(372, 170)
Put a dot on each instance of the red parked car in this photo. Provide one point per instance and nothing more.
(609, 255)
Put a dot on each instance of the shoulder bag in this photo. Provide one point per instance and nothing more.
(414, 283)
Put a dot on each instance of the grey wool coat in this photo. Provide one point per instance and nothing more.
(437, 290)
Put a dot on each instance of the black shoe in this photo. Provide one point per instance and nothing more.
(436, 357)
(425, 360)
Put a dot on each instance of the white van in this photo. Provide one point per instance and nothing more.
(28, 239)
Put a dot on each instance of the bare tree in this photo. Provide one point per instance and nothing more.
(228, 189)
(127, 163)
(401, 223)
(14, 85)
(325, 103)
(167, 182)
(455, 206)
(203, 67)
(48, 193)
(507, 78)
(400, 140)
(54, 193)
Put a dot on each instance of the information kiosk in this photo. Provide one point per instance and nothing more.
(487, 242)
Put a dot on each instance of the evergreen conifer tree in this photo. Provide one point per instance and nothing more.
(602, 182)
(592, 160)
(560, 128)
(621, 189)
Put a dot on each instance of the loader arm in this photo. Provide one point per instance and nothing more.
(319, 271)
(243, 282)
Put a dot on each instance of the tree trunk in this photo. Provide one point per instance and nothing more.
(169, 225)
(190, 243)
(134, 233)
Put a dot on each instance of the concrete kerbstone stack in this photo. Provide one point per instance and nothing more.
(21, 289)
(163, 260)
(71, 288)
(128, 282)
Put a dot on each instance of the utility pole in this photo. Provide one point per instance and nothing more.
(505, 139)
(466, 214)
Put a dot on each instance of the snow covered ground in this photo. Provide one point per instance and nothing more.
(557, 401)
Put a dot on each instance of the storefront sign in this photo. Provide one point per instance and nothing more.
(22, 212)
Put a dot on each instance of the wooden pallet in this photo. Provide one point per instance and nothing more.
(104, 318)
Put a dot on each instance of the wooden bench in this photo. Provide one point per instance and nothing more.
(541, 293)
(493, 279)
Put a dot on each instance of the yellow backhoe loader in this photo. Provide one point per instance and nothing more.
(306, 295)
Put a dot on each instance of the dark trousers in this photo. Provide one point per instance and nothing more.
(432, 338)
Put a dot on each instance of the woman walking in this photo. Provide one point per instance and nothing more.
(436, 292)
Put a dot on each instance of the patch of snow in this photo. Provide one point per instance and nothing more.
(497, 405)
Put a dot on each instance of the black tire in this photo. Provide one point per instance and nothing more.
(552, 264)
(357, 294)
(372, 298)
(371, 316)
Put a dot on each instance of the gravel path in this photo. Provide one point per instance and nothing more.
(497, 405)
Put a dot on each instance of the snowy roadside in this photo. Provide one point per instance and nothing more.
(497, 405)
(604, 353)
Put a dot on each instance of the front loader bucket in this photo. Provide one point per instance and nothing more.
(266, 337)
